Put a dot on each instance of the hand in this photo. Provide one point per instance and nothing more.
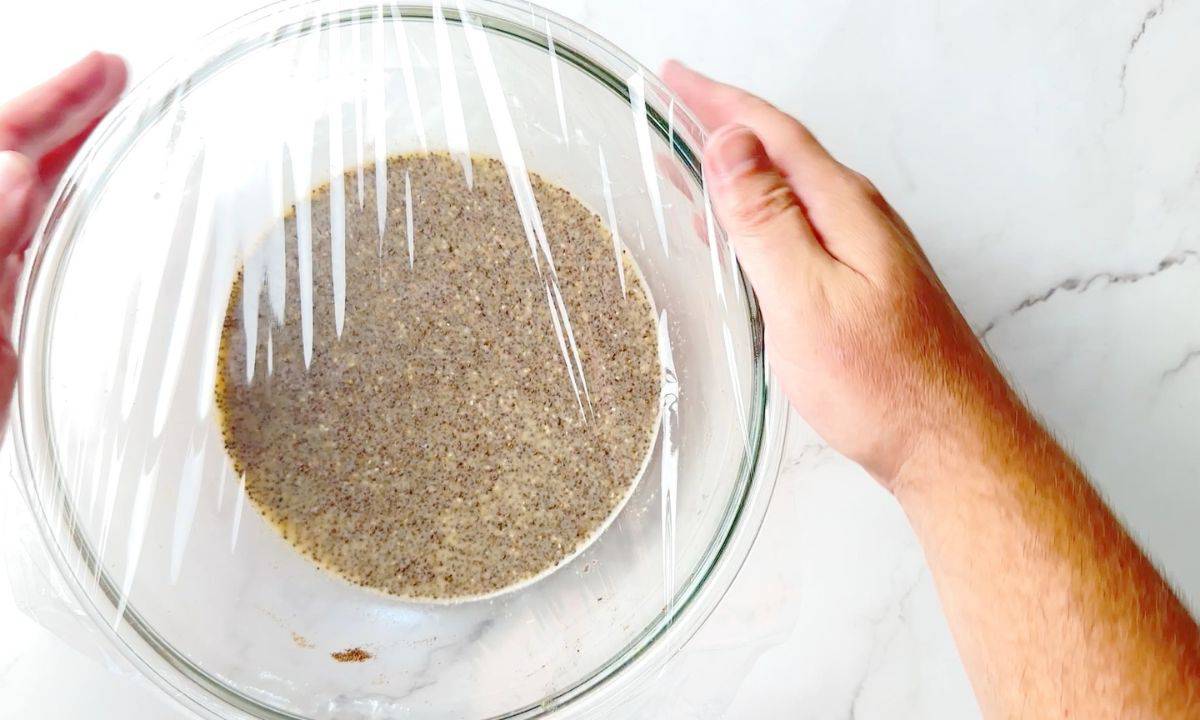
(40, 131)
(1052, 605)
(864, 340)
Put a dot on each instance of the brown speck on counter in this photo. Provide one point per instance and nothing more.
(354, 654)
(435, 450)
(301, 641)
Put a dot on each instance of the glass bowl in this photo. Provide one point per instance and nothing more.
(118, 322)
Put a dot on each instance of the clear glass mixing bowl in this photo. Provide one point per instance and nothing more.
(120, 312)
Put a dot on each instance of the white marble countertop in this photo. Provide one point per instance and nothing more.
(1046, 155)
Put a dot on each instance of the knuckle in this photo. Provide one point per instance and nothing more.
(746, 102)
(861, 184)
(8, 138)
(24, 165)
(75, 96)
(750, 106)
(760, 209)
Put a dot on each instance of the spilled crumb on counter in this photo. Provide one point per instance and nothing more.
(355, 655)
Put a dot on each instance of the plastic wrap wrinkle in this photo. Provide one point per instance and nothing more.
(254, 275)
(300, 150)
(670, 457)
(82, 449)
(195, 234)
(408, 218)
(221, 267)
(557, 79)
(612, 219)
(566, 320)
(112, 481)
(221, 483)
(185, 504)
(558, 332)
(735, 386)
(637, 103)
(144, 494)
(337, 191)
(106, 481)
(713, 254)
(379, 120)
(270, 352)
(360, 111)
(452, 109)
(100, 458)
(734, 273)
(274, 244)
(168, 187)
(134, 351)
(410, 80)
(237, 512)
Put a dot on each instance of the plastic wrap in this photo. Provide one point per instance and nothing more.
(158, 559)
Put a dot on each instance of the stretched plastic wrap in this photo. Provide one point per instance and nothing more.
(201, 184)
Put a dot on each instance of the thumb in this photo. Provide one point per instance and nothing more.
(18, 196)
(766, 224)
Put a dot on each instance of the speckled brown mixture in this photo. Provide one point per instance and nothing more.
(436, 450)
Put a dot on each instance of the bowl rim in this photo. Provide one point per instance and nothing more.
(36, 444)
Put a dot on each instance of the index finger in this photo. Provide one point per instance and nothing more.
(50, 114)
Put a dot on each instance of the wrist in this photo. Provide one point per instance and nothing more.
(979, 428)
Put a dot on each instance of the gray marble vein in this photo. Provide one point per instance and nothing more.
(807, 452)
(895, 611)
(1147, 19)
(1081, 285)
(1182, 365)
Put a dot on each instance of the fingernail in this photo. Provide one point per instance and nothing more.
(737, 151)
(92, 58)
(118, 63)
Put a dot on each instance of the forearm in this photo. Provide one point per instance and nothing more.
(1053, 607)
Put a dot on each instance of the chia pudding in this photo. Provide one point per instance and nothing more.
(438, 449)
